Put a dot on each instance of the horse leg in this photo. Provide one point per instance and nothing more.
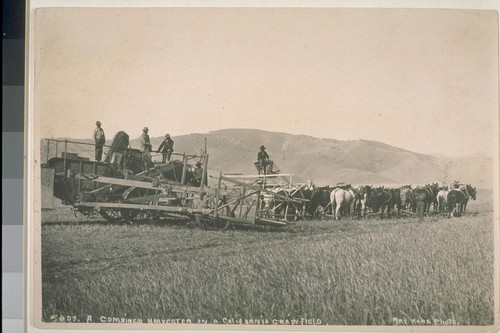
(337, 212)
(420, 208)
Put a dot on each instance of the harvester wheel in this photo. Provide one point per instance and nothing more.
(136, 215)
(87, 212)
(111, 215)
(210, 222)
(221, 224)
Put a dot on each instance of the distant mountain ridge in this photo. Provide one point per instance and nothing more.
(330, 161)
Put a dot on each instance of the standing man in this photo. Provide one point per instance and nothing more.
(145, 149)
(198, 175)
(100, 140)
(166, 148)
(265, 164)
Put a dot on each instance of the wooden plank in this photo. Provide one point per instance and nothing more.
(233, 219)
(266, 221)
(137, 183)
(408, 212)
(237, 200)
(272, 175)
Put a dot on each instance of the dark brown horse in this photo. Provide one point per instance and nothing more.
(455, 200)
(382, 198)
(319, 202)
(470, 193)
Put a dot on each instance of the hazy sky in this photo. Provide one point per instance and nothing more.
(423, 80)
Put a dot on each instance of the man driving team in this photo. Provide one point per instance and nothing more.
(265, 164)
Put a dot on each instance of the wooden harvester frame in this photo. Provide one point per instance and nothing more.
(122, 193)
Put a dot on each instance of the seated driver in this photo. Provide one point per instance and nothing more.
(265, 164)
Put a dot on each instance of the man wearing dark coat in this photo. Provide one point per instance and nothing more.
(264, 163)
(166, 148)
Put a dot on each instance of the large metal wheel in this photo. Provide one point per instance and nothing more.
(111, 215)
(136, 216)
(215, 223)
(140, 196)
(87, 212)
(221, 224)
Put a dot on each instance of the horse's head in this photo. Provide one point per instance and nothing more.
(368, 194)
(471, 191)
(376, 198)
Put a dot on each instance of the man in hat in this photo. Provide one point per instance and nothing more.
(166, 148)
(100, 140)
(145, 149)
(265, 164)
(198, 173)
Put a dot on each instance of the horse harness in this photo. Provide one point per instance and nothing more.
(390, 196)
(428, 189)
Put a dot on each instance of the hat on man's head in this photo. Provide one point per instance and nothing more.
(262, 147)
(167, 135)
(145, 129)
(98, 122)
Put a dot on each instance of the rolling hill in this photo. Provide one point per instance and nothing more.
(329, 161)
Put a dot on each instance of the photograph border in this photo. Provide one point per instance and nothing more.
(32, 206)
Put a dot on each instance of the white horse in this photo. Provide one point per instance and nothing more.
(341, 199)
(442, 201)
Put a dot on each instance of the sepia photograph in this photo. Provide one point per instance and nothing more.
(290, 168)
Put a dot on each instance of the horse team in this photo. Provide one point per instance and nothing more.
(344, 201)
